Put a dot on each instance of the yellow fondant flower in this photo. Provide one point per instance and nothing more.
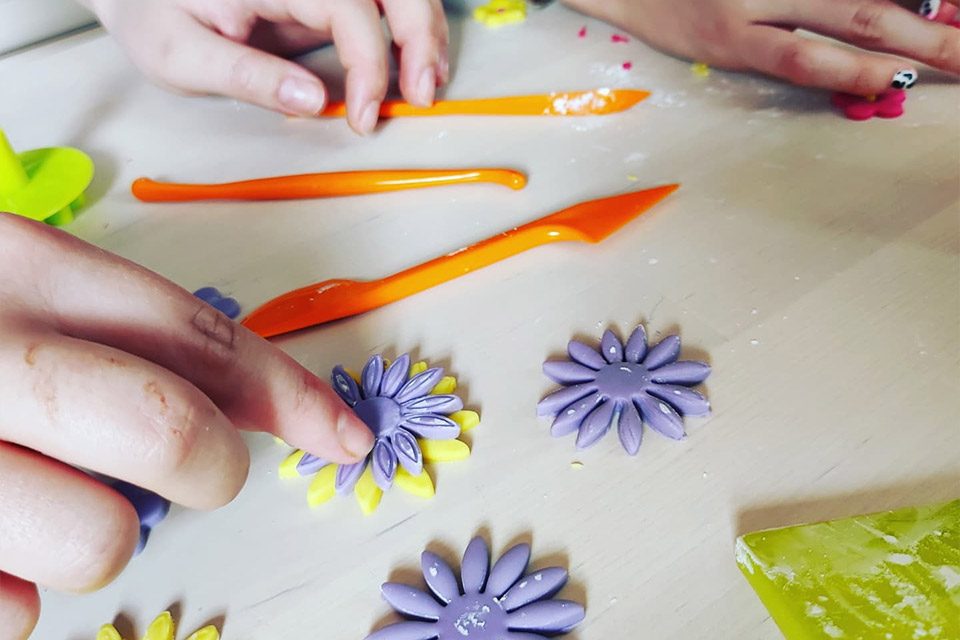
(162, 628)
(500, 12)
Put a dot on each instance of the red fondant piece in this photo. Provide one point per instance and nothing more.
(627, 65)
(619, 38)
(888, 104)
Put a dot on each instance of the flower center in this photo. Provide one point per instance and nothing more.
(475, 616)
(381, 414)
(622, 380)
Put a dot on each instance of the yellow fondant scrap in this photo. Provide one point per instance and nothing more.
(444, 450)
(323, 486)
(417, 367)
(466, 419)
(446, 386)
(367, 492)
(420, 486)
(700, 68)
(288, 468)
(162, 628)
(500, 12)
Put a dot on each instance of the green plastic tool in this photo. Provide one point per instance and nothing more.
(43, 184)
(886, 576)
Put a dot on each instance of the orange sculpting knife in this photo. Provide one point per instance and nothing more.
(589, 221)
(573, 103)
(322, 185)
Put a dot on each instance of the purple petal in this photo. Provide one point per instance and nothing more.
(508, 570)
(637, 345)
(383, 463)
(660, 416)
(208, 294)
(536, 586)
(347, 476)
(521, 635)
(440, 577)
(433, 404)
(611, 347)
(345, 386)
(408, 452)
(432, 426)
(566, 372)
(419, 385)
(371, 376)
(688, 372)
(395, 376)
(585, 355)
(630, 428)
(564, 397)
(406, 631)
(570, 419)
(666, 351)
(686, 401)
(310, 463)
(596, 425)
(549, 616)
(411, 601)
(475, 566)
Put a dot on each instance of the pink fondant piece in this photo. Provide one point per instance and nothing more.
(888, 104)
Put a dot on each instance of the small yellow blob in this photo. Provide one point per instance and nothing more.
(353, 375)
(444, 450)
(420, 486)
(367, 492)
(417, 367)
(322, 488)
(497, 13)
(701, 69)
(871, 98)
(446, 386)
(576, 465)
(632, 178)
(288, 468)
(466, 419)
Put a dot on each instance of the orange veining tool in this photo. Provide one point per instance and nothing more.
(322, 185)
(589, 221)
(573, 103)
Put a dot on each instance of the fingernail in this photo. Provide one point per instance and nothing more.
(444, 68)
(904, 79)
(354, 436)
(301, 96)
(929, 9)
(427, 86)
(368, 118)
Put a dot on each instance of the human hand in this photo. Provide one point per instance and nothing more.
(758, 35)
(109, 367)
(226, 47)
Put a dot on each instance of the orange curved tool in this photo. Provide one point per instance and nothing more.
(322, 185)
(574, 103)
(334, 299)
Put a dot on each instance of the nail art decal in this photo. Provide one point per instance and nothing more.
(929, 9)
(904, 79)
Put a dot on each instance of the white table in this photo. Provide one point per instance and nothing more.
(811, 260)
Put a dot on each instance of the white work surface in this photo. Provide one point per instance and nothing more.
(814, 262)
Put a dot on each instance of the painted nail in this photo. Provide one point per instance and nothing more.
(929, 9)
(368, 118)
(904, 79)
(355, 438)
(427, 87)
(301, 96)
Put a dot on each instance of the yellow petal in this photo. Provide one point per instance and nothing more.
(444, 450)
(353, 375)
(161, 628)
(108, 632)
(207, 633)
(288, 468)
(367, 492)
(466, 419)
(446, 386)
(323, 486)
(417, 367)
(421, 485)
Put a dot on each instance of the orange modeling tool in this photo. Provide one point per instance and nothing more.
(589, 221)
(322, 185)
(597, 102)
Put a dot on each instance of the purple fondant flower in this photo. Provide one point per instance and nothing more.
(212, 296)
(506, 603)
(623, 385)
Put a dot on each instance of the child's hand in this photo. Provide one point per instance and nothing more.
(109, 367)
(218, 46)
(758, 35)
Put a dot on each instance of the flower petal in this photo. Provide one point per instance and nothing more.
(508, 570)
(549, 616)
(563, 397)
(310, 463)
(347, 476)
(630, 428)
(432, 426)
(446, 386)
(444, 450)
(475, 566)
(566, 372)
(383, 463)
(162, 628)
(395, 376)
(371, 376)
(367, 492)
(522, 635)
(419, 485)
(345, 386)
(288, 468)
(686, 401)
(419, 385)
(536, 586)
(587, 356)
(611, 347)
(570, 419)
(323, 486)
(411, 601)
(466, 419)
(108, 632)
(686, 372)
(209, 632)
(417, 367)
(596, 425)
(440, 577)
(406, 631)
(408, 451)
(660, 416)
(433, 404)
(637, 345)
(666, 351)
